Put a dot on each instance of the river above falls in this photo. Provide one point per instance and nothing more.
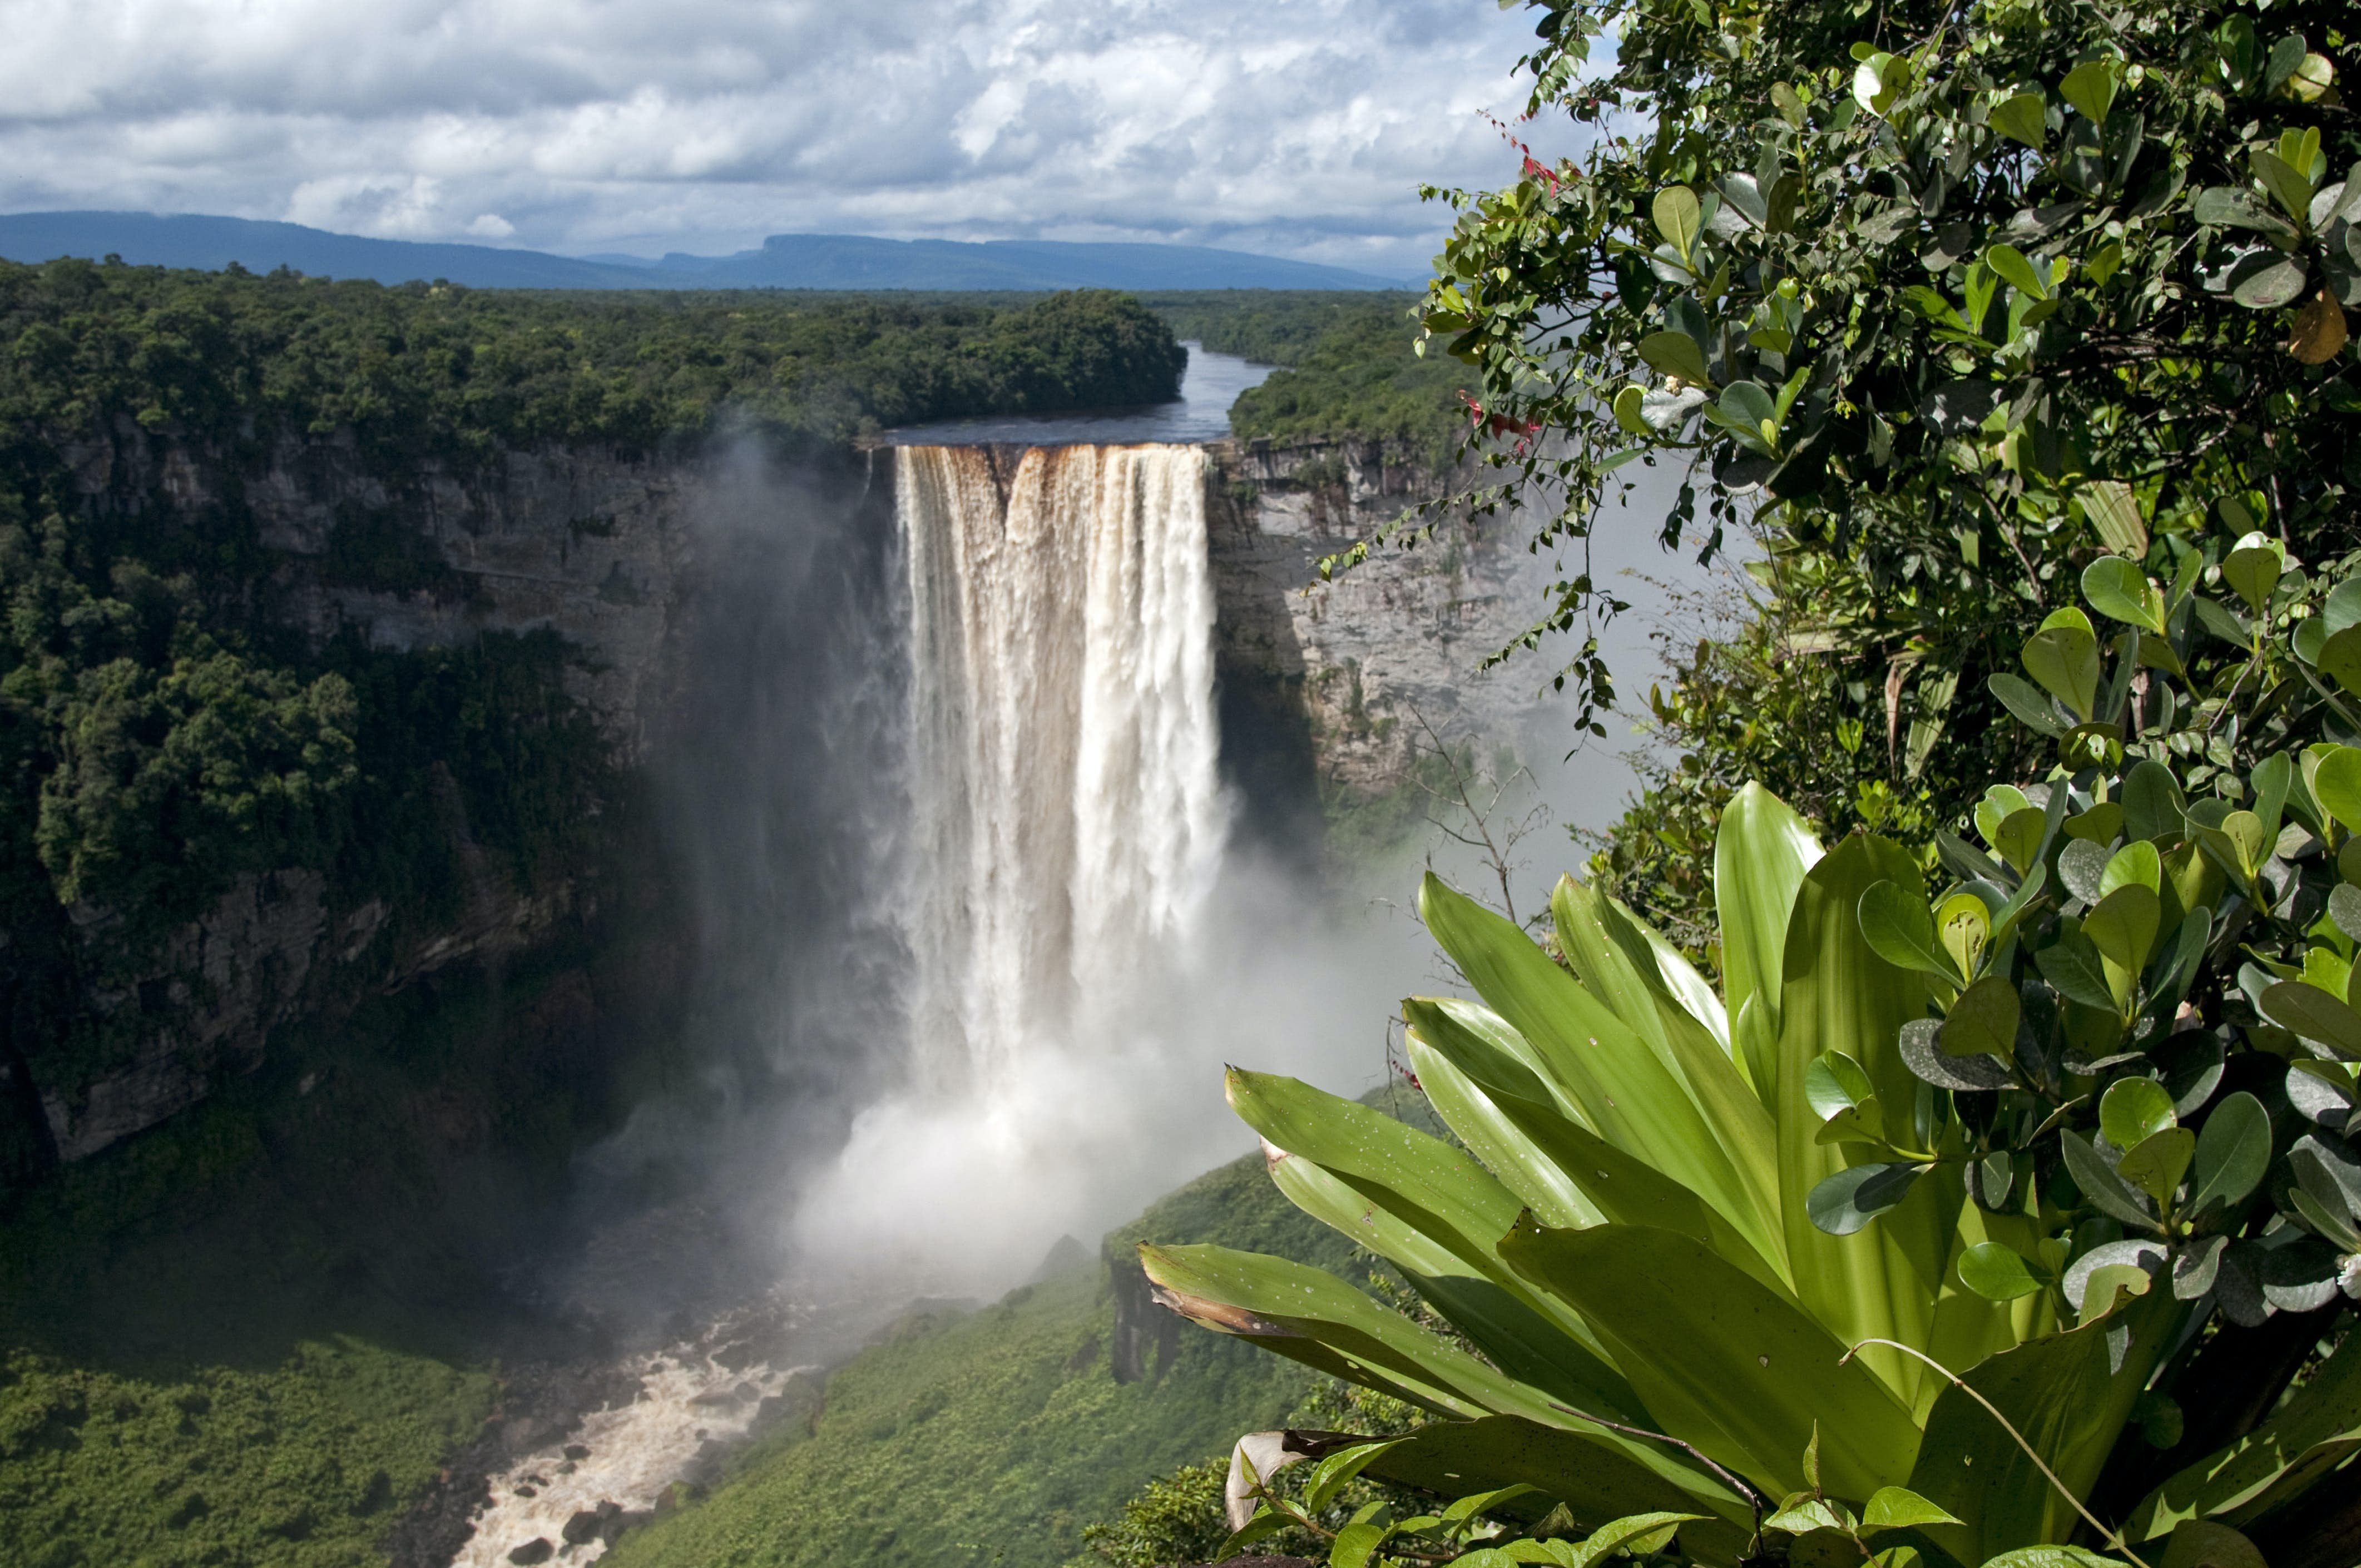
(1208, 387)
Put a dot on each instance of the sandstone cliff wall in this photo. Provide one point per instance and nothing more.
(1336, 681)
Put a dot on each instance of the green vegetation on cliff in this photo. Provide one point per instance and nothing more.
(997, 1436)
(445, 371)
(1348, 369)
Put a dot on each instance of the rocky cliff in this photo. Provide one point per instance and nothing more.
(1384, 661)
(1330, 688)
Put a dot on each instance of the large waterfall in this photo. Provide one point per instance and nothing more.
(1064, 748)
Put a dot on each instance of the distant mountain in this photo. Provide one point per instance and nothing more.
(784, 261)
(855, 262)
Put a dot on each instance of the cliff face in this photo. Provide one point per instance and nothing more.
(603, 551)
(1369, 664)
(1329, 688)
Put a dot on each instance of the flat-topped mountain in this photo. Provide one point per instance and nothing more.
(783, 261)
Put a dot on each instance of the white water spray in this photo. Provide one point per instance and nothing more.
(1068, 827)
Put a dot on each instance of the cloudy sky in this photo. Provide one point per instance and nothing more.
(1296, 127)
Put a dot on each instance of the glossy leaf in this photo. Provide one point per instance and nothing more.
(1996, 1273)
(1983, 1020)
(2134, 1110)
(2157, 1163)
(2109, 1193)
(1621, 1087)
(1899, 929)
(1760, 851)
(2063, 657)
(2311, 1012)
(1722, 1362)
(2020, 118)
(2117, 587)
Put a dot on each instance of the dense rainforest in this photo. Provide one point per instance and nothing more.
(162, 725)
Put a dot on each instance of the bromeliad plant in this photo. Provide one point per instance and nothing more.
(1952, 1220)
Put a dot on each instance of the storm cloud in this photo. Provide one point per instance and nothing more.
(1297, 128)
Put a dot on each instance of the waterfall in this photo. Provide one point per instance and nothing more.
(1068, 814)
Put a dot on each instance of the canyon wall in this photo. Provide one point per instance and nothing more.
(1329, 688)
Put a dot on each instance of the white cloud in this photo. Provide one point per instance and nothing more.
(1296, 126)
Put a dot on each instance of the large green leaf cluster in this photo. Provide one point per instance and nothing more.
(1988, 1188)
(1935, 296)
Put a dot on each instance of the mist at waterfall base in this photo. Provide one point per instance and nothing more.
(925, 1055)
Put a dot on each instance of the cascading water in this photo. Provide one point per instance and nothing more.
(1066, 827)
(1064, 751)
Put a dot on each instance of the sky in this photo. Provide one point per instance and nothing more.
(1290, 128)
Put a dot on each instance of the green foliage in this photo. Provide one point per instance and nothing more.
(1001, 1436)
(1939, 332)
(1362, 378)
(302, 1464)
(442, 371)
(277, 1297)
(1175, 1519)
(2014, 1131)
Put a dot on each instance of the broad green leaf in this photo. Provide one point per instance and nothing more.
(1982, 1021)
(1265, 1523)
(2154, 807)
(1996, 1273)
(1726, 1364)
(2135, 1110)
(2339, 658)
(1628, 403)
(2137, 864)
(1610, 1074)
(2057, 1393)
(1584, 1467)
(2113, 510)
(1675, 213)
(2289, 188)
(1835, 1083)
(1898, 1507)
(1356, 1543)
(2022, 699)
(2010, 264)
(2117, 587)
(2090, 88)
(2311, 1012)
(1613, 957)
(2019, 838)
(2073, 965)
(2099, 826)
(1625, 1189)
(1641, 1534)
(1309, 1315)
(2055, 1557)
(2123, 925)
(2157, 1163)
(1962, 928)
(2337, 786)
(1899, 929)
(1336, 1470)
(2021, 119)
(2233, 1151)
(2253, 572)
(1675, 354)
(1384, 1194)
(2063, 657)
(2237, 1482)
(1760, 851)
(1847, 1202)
(1494, 1137)
(2000, 803)
(2109, 1193)
(1839, 994)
